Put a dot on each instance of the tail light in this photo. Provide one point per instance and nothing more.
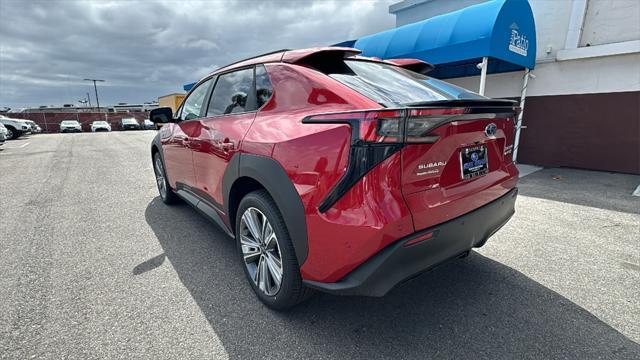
(390, 126)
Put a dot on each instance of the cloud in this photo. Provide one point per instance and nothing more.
(145, 49)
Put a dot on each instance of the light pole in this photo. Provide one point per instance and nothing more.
(95, 87)
(89, 99)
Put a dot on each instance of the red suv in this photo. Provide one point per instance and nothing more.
(337, 172)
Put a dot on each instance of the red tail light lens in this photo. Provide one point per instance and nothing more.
(421, 122)
(381, 127)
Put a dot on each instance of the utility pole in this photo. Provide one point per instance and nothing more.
(95, 87)
(89, 99)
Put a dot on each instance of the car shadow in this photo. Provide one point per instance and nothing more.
(470, 308)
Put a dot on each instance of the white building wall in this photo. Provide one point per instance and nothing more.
(581, 76)
(611, 21)
(410, 11)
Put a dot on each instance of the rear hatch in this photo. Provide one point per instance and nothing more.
(460, 162)
(455, 145)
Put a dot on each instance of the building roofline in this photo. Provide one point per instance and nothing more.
(405, 4)
(172, 94)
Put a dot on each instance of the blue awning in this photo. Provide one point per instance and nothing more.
(503, 30)
(188, 86)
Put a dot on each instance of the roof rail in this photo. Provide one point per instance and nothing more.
(255, 57)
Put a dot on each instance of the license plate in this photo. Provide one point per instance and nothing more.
(474, 161)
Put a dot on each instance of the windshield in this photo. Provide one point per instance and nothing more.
(129, 121)
(392, 85)
(99, 123)
(69, 122)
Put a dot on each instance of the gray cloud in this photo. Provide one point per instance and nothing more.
(145, 48)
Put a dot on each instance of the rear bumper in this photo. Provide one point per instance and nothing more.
(398, 262)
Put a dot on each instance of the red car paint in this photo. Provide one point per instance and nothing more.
(391, 201)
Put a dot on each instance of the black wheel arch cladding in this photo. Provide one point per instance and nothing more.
(270, 174)
(155, 143)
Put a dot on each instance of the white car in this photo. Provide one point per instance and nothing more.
(34, 127)
(148, 125)
(16, 127)
(100, 126)
(70, 126)
(4, 134)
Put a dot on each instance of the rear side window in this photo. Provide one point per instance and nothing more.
(263, 86)
(391, 85)
(233, 94)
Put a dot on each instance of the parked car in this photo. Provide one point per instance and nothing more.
(148, 125)
(16, 127)
(97, 126)
(130, 124)
(34, 128)
(337, 172)
(70, 126)
(7, 133)
(3, 134)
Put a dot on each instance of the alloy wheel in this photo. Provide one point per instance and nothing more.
(261, 251)
(160, 179)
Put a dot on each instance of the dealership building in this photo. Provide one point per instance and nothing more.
(578, 62)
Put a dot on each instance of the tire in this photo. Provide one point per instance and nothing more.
(13, 133)
(290, 291)
(166, 193)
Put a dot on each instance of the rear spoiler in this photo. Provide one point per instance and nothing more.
(309, 55)
(414, 65)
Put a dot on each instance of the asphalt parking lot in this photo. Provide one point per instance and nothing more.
(94, 266)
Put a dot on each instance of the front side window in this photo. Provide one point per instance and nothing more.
(193, 104)
(232, 94)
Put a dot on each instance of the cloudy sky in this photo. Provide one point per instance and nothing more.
(144, 49)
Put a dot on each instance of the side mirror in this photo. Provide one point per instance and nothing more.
(161, 115)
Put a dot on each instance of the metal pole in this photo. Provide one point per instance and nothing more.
(95, 87)
(89, 99)
(523, 96)
(483, 74)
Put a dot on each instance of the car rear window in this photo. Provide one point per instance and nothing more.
(392, 85)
